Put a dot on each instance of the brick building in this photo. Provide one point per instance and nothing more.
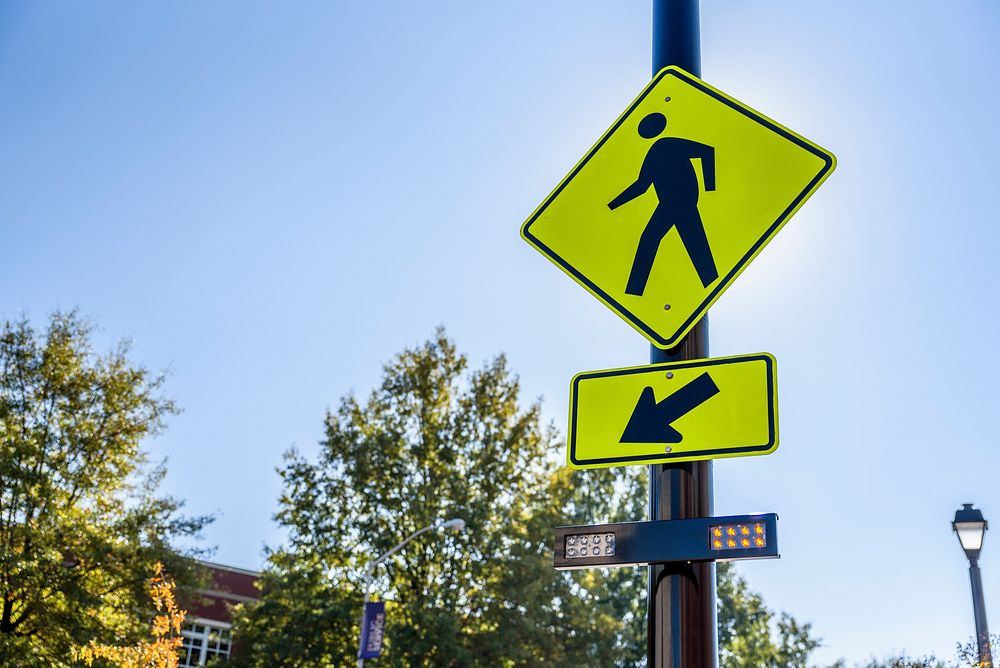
(207, 628)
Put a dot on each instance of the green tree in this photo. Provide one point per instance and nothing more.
(431, 442)
(160, 652)
(966, 656)
(903, 661)
(600, 496)
(745, 629)
(750, 634)
(81, 524)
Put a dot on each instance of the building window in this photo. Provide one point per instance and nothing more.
(204, 641)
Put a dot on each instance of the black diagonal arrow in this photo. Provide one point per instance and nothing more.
(650, 421)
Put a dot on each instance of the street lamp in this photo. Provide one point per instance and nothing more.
(971, 527)
(455, 524)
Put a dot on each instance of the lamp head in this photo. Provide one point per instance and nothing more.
(455, 524)
(970, 526)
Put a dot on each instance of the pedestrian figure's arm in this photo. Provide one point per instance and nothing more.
(640, 186)
(707, 155)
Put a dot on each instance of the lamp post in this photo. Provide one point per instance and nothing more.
(456, 524)
(971, 527)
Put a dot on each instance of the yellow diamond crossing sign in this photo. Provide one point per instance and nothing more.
(674, 201)
(675, 412)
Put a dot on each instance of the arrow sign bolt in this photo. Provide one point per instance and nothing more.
(650, 421)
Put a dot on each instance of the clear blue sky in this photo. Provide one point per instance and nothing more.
(271, 199)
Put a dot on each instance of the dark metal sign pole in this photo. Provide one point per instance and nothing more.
(682, 625)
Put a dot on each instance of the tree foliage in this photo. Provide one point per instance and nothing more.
(966, 656)
(903, 661)
(745, 629)
(162, 651)
(80, 519)
(968, 652)
(431, 442)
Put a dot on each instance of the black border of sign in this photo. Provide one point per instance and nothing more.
(698, 454)
(727, 280)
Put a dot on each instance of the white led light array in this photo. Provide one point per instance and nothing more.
(590, 545)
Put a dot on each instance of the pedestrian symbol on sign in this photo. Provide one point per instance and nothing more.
(668, 168)
(723, 176)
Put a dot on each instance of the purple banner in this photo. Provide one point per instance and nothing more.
(372, 630)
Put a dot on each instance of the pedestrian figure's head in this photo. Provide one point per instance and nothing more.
(652, 125)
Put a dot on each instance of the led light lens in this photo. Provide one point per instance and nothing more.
(591, 545)
(738, 536)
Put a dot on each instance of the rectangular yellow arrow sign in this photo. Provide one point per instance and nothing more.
(676, 412)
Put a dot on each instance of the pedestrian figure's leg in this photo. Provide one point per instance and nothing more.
(692, 233)
(649, 243)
